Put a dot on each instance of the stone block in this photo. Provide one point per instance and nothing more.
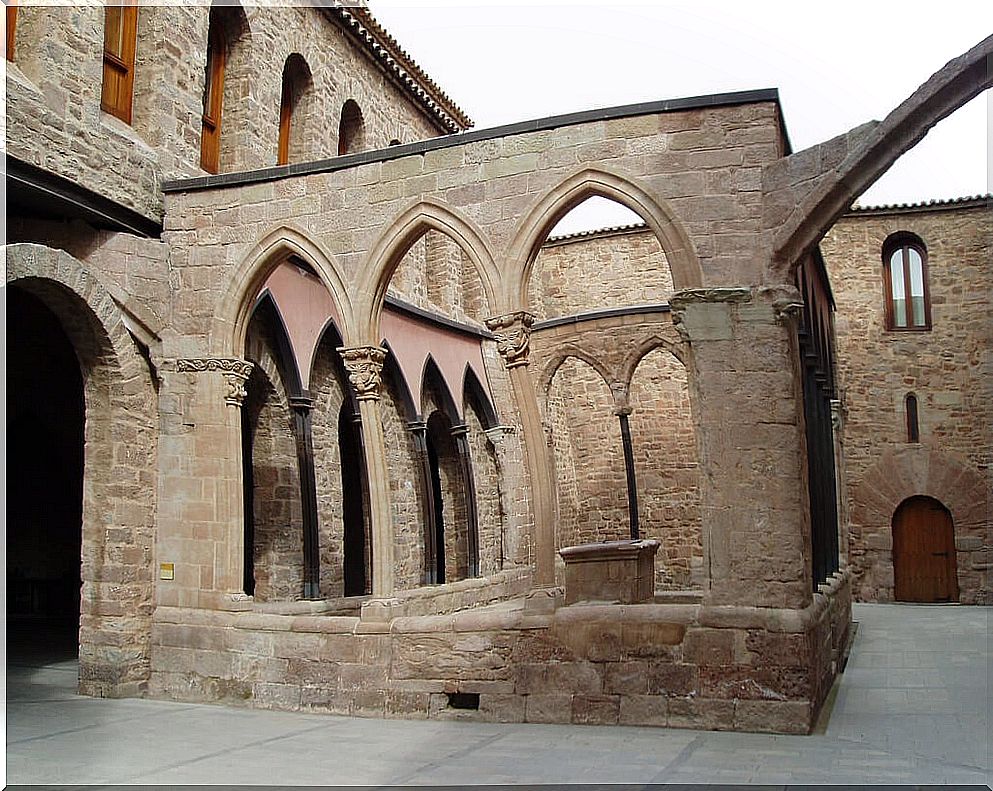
(643, 710)
(674, 680)
(701, 713)
(549, 708)
(613, 571)
(773, 716)
(625, 678)
(595, 709)
(709, 646)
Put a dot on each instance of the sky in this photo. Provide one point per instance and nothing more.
(836, 65)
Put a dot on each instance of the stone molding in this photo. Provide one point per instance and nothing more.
(235, 370)
(365, 370)
(679, 301)
(512, 333)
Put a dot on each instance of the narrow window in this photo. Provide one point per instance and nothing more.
(350, 129)
(908, 303)
(293, 106)
(119, 36)
(213, 96)
(913, 429)
(11, 25)
(285, 118)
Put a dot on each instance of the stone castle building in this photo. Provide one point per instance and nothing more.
(310, 411)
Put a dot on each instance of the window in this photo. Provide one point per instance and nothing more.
(350, 128)
(913, 430)
(11, 24)
(213, 96)
(908, 304)
(292, 102)
(119, 35)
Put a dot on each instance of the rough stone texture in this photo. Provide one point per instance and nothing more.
(948, 368)
(53, 96)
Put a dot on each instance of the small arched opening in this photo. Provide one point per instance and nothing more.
(294, 107)
(351, 129)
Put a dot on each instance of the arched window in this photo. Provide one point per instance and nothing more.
(296, 80)
(11, 24)
(350, 129)
(120, 34)
(913, 429)
(213, 93)
(908, 304)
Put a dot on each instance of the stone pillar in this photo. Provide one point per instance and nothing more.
(511, 477)
(365, 367)
(513, 337)
(747, 402)
(460, 434)
(302, 406)
(622, 408)
(216, 514)
(838, 425)
(429, 574)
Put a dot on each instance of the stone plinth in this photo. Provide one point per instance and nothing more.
(612, 571)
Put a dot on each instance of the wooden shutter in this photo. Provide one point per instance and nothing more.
(11, 25)
(213, 98)
(119, 38)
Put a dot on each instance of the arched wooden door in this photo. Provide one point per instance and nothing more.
(924, 552)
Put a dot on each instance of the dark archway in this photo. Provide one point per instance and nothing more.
(355, 547)
(45, 425)
(924, 568)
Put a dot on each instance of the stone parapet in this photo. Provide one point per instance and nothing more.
(638, 664)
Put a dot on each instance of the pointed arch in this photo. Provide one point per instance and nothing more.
(431, 374)
(234, 307)
(562, 354)
(586, 183)
(475, 394)
(330, 333)
(396, 241)
(268, 311)
(391, 367)
(647, 346)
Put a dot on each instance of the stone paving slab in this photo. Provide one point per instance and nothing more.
(915, 712)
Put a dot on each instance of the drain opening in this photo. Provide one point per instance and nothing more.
(463, 700)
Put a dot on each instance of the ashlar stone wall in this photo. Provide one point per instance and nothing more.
(949, 368)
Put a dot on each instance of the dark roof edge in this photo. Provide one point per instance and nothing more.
(606, 313)
(401, 306)
(596, 233)
(60, 193)
(935, 204)
(473, 136)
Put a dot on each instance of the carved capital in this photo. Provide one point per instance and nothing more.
(365, 370)
(496, 434)
(236, 372)
(512, 333)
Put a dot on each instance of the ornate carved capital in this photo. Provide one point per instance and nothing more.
(496, 434)
(513, 336)
(236, 372)
(365, 369)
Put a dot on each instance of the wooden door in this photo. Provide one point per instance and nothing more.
(924, 552)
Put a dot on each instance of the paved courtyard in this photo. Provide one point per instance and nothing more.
(913, 706)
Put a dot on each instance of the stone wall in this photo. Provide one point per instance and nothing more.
(682, 666)
(54, 118)
(949, 368)
(598, 270)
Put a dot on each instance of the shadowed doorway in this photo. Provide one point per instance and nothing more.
(45, 420)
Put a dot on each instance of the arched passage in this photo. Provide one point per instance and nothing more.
(116, 531)
(45, 419)
(924, 567)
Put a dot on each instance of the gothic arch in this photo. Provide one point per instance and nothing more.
(391, 368)
(959, 81)
(472, 388)
(119, 403)
(562, 354)
(233, 310)
(393, 244)
(288, 368)
(557, 202)
(431, 373)
(648, 345)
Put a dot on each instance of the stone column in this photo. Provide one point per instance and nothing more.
(216, 469)
(513, 337)
(623, 410)
(429, 574)
(302, 406)
(511, 477)
(365, 367)
(838, 425)
(747, 402)
(460, 434)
